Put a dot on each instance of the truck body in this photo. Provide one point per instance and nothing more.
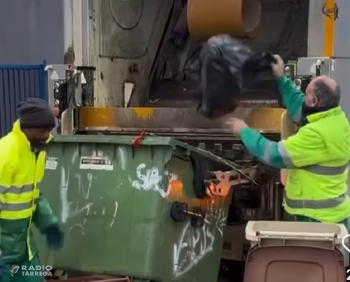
(146, 77)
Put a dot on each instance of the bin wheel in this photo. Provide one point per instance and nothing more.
(178, 211)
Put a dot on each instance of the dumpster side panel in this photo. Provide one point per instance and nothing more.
(196, 251)
(117, 220)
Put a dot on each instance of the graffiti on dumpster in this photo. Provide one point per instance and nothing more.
(122, 156)
(196, 243)
(70, 209)
(149, 180)
(64, 195)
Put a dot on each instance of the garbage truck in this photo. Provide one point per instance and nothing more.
(145, 188)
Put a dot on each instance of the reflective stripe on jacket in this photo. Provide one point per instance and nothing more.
(318, 158)
(20, 171)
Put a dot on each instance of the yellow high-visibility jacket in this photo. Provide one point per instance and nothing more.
(21, 203)
(317, 158)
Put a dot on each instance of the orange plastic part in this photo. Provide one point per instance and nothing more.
(240, 18)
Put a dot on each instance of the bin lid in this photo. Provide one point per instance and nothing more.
(297, 230)
(146, 141)
(294, 263)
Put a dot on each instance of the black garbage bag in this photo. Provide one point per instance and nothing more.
(228, 68)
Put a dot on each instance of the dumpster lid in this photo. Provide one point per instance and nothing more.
(296, 230)
(117, 139)
(149, 140)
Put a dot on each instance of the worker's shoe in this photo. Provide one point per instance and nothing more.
(54, 237)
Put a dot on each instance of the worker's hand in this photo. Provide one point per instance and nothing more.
(54, 237)
(278, 66)
(236, 125)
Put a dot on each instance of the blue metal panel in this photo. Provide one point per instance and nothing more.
(17, 83)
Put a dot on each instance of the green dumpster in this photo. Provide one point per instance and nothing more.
(114, 204)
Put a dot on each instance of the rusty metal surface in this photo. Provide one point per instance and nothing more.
(174, 121)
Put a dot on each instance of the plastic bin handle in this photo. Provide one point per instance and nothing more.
(296, 235)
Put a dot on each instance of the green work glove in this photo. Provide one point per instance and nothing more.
(54, 236)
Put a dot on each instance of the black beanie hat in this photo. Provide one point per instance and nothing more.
(35, 113)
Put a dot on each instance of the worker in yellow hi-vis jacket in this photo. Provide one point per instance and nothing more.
(22, 166)
(317, 156)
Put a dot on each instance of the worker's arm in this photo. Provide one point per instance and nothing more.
(7, 170)
(261, 148)
(6, 174)
(292, 98)
(43, 216)
(299, 150)
(45, 220)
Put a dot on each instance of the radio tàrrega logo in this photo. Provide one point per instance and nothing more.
(14, 269)
(37, 270)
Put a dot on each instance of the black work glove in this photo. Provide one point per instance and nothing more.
(54, 236)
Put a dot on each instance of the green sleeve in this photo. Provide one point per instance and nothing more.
(292, 98)
(261, 148)
(43, 215)
(305, 148)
